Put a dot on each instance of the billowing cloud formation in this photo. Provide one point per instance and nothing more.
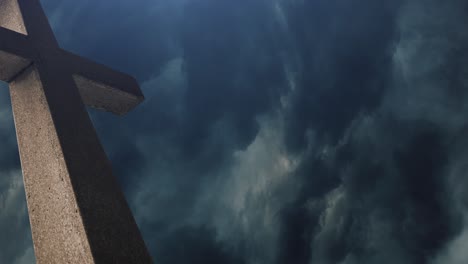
(278, 131)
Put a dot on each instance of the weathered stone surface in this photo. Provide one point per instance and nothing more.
(77, 211)
(10, 16)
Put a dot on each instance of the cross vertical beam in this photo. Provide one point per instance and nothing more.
(77, 211)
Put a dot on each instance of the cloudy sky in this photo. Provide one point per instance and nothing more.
(276, 131)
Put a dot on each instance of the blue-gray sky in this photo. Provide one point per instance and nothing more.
(276, 131)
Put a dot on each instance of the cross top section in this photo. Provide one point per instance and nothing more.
(26, 38)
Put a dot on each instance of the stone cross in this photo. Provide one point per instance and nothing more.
(78, 213)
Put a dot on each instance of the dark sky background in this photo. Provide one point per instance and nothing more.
(276, 131)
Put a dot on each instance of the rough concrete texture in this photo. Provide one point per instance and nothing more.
(11, 17)
(77, 211)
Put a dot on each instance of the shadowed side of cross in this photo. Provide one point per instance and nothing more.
(77, 211)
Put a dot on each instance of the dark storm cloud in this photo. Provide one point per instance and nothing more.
(389, 204)
(279, 131)
(392, 201)
(344, 52)
(198, 243)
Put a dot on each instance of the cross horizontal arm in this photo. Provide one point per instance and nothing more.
(15, 54)
(103, 88)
